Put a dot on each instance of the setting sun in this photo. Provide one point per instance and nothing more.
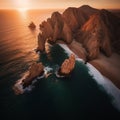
(22, 4)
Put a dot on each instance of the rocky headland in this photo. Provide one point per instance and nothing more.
(35, 70)
(90, 33)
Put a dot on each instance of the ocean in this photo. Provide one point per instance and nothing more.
(85, 94)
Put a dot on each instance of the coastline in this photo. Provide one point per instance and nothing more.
(109, 67)
(102, 65)
(87, 38)
(103, 80)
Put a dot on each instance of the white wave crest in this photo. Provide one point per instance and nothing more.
(59, 76)
(108, 86)
(47, 69)
(18, 87)
(69, 52)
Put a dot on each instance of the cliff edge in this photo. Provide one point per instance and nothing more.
(88, 32)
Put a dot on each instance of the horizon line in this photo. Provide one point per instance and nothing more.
(52, 8)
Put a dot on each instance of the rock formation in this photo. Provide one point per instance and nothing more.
(67, 66)
(32, 25)
(78, 16)
(41, 43)
(35, 70)
(55, 28)
(100, 34)
(48, 45)
(96, 30)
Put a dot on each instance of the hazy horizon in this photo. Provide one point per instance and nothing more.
(23, 9)
(53, 4)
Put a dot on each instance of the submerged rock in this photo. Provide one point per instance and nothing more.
(67, 66)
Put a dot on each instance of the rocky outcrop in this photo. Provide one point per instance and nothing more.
(67, 66)
(48, 45)
(60, 27)
(35, 70)
(78, 16)
(41, 43)
(26, 82)
(112, 23)
(55, 28)
(98, 34)
(32, 25)
(96, 31)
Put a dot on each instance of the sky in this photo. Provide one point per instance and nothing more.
(43, 4)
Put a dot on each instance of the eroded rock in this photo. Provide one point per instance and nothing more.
(96, 30)
(67, 66)
(36, 69)
(25, 83)
(48, 45)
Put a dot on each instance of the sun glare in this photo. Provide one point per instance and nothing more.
(22, 5)
(23, 12)
(22, 9)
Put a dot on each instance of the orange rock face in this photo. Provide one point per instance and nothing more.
(68, 65)
(41, 43)
(96, 30)
(56, 29)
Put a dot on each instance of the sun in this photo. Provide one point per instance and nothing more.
(22, 5)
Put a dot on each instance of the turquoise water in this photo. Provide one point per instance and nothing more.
(76, 97)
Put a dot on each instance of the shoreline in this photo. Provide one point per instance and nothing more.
(107, 66)
(108, 85)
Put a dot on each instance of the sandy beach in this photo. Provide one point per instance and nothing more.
(109, 67)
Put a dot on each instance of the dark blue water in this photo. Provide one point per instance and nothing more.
(76, 97)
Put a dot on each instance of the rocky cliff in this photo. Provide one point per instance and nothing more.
(100, 34)
(96, 30)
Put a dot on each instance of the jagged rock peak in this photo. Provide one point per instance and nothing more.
(85, 7)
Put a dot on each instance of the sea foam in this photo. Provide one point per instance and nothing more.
(101, 80)
(108, 86)
(69, 52)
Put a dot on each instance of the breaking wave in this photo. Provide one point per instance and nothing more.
(101, 80)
